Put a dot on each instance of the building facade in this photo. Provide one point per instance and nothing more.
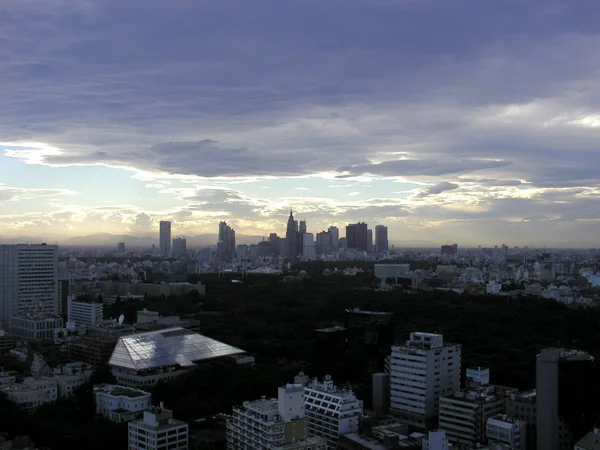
(157, 430)
(82, 312)
(36, 326)
(164, 237)
(28, 281)
(421, 371)
(335, 237)
(272, 423)
(179, 246)
(331, 411)
(32, 392)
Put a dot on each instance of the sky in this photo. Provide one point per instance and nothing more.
(467, 121)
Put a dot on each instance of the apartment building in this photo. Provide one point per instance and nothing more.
(421, 371)
(120, 403)
(157, 430)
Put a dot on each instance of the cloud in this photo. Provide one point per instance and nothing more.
(8, 193)
(408, 91)
(438, 189)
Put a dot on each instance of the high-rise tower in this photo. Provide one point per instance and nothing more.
(291, 237)
(164, 241)
(226, 244)
(28, 281)
(357, 236)
(381, 239)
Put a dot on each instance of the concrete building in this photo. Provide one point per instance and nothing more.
(82, 312)
(522, 406)
(357, 236)
(331, 411)
(121, 247)
(272, 423)
(32, 392)
(164, 238)
(7, 342)
(381, 239)
(292, 240)
(385, 271)
(449, 249)
(370, 247)
(463, 415)
(421, 371)
(70, 376)
(144, 359)
(36, 326)
(120, 403)
(28, 281)
(503, 429)
(157, 430)
(565, 410)
(324, 243)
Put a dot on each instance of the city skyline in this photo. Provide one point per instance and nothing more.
(447, 121)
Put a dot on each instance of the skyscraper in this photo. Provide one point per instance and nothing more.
(302, 229)
(381, 239)
(179, 246)
(226, 244)
(292, 237)
(357, 236)
(323, 243)
(369, 241)
(28, 281)
(164, 241)
(335, 237)
(565, 406)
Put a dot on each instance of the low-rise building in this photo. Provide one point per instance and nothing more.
(32, 392)
(120, 403)
(7, 342)
(522, 406)
(331, 411)
(272, 424)
(502, 429)
(158, 430)
(144, 359)
(84, 312)
(590, 441)
(36, 326)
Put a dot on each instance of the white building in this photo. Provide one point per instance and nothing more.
(272, 424)
(83, 312)
(28, 281)
(331, 411)
(463, 415)
(436, 440)
(32, 392)
(70, 376)
(120, 403)
(385, 271)
(157, 430)
(421, 371)
(36, 326)
(309, 248)
(503, 429)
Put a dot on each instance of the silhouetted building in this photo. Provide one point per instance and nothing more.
(381, 239)
(302, 227)
(565, 406)
(449, 249)
(357, 236)
(121, 247)
(324, 243)
(179, 246)
(335, 237)
(164, 238)
(370, 241)
(226, 244)
(292, 238)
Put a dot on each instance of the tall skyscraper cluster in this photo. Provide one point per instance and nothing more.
(166, 245)
(298, 243)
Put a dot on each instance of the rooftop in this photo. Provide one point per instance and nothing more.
(120, 391)
(167, 347)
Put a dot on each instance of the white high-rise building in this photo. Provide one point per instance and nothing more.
(335, 237)
(421, 371)
(158, 431)
(309, 249)
(331, 411)
(272, 424)
(81, 312)
(28, 281)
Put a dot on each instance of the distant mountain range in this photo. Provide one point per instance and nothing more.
(110, 240)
